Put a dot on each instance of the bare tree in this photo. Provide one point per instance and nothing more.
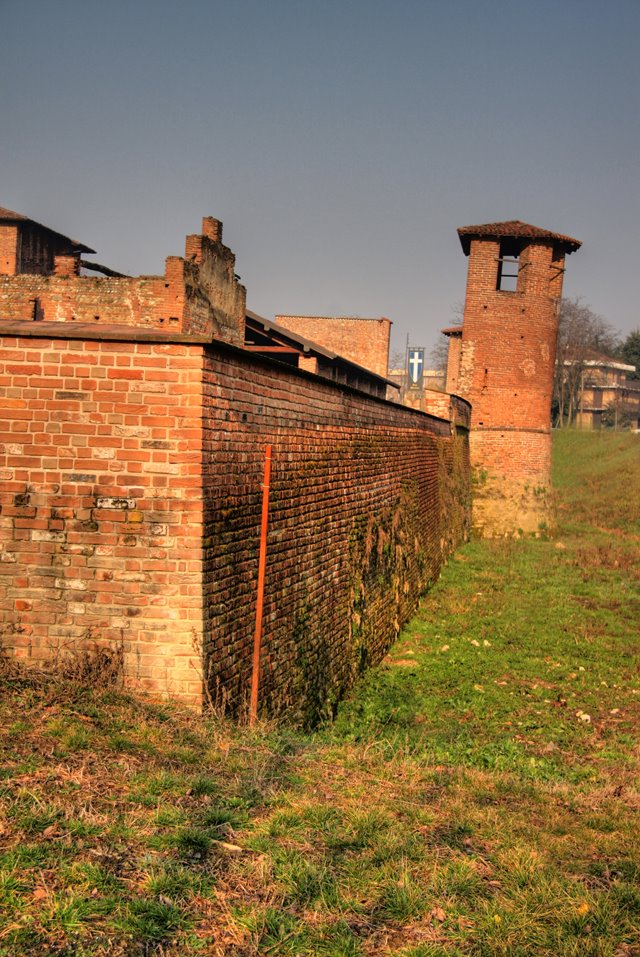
(397, 359)
(581, 333)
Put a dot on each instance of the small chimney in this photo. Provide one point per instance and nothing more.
(212, 229)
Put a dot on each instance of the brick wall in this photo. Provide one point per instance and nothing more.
(364, 341)
(453, 362)
(141, 301)
(101, 504)
(8, 249)
(129, 516)
(367, 499)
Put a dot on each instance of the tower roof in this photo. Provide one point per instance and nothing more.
(515, 229)
(9, 216)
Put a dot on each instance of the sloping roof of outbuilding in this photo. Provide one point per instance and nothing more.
(9, 216)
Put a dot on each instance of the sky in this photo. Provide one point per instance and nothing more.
(341, 143)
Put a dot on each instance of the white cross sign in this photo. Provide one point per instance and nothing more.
(416, 364)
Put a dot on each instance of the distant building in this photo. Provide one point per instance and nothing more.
(607, 397)
(273, 340)
(29, 248)
(363, 341)
(418, 395)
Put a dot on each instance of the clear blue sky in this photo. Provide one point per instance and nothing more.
(341, 144)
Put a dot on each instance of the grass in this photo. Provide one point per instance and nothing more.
(478, 795)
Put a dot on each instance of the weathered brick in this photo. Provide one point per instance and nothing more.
(503, 361)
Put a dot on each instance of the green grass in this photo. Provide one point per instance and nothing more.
(478, 795)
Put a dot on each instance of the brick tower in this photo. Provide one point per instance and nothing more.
(502, 360)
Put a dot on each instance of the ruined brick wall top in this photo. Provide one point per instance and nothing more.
(364, 341)
(197, 294)
(215, 301)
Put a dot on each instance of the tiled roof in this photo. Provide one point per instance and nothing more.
(514, 229)
(9, 216)
(592, 357)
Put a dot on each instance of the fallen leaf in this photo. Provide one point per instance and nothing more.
(232, 848)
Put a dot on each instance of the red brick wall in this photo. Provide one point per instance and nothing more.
(453, 363)
(367, 499)
(8, 249)
(100, 447)
(129, 517)
(141, 301)
(365, 341)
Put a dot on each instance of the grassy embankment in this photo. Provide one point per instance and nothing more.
(478, 796)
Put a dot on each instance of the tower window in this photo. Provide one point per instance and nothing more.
(508, 267)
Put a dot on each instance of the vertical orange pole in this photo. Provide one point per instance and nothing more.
(262, 564)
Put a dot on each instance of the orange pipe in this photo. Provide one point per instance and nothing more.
(262, 564)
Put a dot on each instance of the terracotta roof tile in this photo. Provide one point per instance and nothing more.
(514, 229)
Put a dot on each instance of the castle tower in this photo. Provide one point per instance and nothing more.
(503, 363)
